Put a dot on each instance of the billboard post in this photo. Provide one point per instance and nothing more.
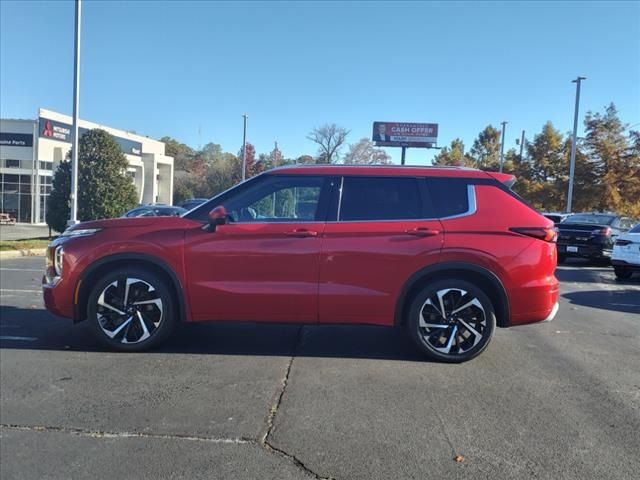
(405, 135)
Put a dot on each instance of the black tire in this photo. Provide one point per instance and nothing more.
(159, 319)
(562, 258)
(481, 320)
(622, 273)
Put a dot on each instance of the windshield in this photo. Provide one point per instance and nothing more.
(591, 219)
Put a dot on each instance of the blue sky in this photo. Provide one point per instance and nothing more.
(177, 68)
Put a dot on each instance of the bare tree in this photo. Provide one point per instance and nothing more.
(365, 153)
(329, 137)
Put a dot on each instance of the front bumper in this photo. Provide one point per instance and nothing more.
(625, 264)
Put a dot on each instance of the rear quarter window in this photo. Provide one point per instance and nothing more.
(450, 196)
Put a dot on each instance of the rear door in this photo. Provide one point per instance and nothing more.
(378, 236)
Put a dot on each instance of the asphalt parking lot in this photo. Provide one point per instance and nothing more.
(559, 400)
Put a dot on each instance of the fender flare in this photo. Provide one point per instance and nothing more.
(502, 309)
(140, 257)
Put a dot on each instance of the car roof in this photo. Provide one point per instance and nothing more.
(381, 170)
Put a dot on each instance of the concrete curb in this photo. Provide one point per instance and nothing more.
(35, 252)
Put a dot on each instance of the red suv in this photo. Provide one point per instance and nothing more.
(446, 253)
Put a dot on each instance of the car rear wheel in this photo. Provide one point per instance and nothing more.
(622, 273)
(131, 310)
(451, 320)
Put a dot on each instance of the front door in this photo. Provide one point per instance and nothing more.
(263, 264)
(381, 236)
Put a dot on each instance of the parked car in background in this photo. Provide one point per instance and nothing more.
(448, 254)
(155, 211)
(590, 235)
(626, 253)
(557, 217)
(193, 203)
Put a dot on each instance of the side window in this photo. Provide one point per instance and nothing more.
(278, 199)
(380, 198)
(450, 196)
(617, 223)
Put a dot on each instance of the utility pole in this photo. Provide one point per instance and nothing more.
(76, 112)
(572, 164)
(521, 145)
(504, 124)
(244, 148)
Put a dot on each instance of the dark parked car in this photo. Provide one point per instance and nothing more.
(193, 203)
(557, 217)
(590, 235)
(448, 254)
(155, 211)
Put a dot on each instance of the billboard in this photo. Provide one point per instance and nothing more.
(395, 134)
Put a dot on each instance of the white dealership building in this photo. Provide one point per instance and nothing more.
(30, 151)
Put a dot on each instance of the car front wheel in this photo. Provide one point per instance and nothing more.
(451, 320)
(131, 310)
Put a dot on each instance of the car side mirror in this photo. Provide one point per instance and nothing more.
(217, 216)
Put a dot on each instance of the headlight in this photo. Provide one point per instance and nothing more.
(54, 264)
(80, 232)
(57, 261)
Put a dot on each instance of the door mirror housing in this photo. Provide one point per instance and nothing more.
(217, 216)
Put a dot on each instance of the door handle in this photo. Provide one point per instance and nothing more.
(422, 232)
(301, 233)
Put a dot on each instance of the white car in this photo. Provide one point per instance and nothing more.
(626, 253)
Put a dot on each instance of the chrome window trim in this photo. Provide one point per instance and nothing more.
(473, 206)
(471, 210)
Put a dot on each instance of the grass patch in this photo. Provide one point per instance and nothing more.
(30, 244)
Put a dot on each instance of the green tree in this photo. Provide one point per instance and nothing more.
(608, 147)
(104, 188)
(182, 154)
(453, 155)
(546, 155)
(58, 205)
(485, 151)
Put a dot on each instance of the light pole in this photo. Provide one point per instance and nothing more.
(504, 124)
(76, 112)
(244, 148)
(572, 164)
(522, 146)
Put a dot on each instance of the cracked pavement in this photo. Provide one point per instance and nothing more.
(235, 401)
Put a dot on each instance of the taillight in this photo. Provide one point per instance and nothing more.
(606, 231)
(623, 243)
(548, 234)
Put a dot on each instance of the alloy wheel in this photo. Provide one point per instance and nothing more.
(129, 310)
(452, 321)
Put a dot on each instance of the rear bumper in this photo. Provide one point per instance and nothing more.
(625, 264)
(535, 303)
(585, 251)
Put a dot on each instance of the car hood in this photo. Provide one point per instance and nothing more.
(136, 222)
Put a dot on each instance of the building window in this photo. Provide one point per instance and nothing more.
(46, 165)
(15, 196)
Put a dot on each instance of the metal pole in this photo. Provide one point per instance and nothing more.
(76, 112)
(244, 148)
(404, 152)
(504, 124)
(572, 163)
(521, 145)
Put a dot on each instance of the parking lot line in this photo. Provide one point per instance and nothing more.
(21, 339)
(19, 291)
(22, 270)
